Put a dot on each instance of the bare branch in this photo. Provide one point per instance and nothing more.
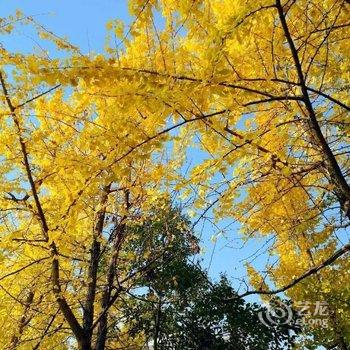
(312, 271)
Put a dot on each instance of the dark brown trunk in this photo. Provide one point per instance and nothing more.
(117, 237)
(55, 280)
(106, 296)
(95, 251)
(157, 324)
(85, 344)
(336, 177)
(23, 321)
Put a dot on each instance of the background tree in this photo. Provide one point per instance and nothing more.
(276, 118)
(176, 306)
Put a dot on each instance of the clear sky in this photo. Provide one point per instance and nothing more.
(83, 22)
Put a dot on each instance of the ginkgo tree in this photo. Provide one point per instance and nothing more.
(66, 203)
(270, 82)
(261, 88)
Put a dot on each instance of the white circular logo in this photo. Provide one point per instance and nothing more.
(277, 315)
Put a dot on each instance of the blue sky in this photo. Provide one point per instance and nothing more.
(83, 22)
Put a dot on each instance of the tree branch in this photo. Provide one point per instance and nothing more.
(308, 273)
(64, 307)
(337, 178)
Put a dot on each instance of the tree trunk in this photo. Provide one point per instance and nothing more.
(23, 322)
(157, 324)
(106, 301)
(85, 344)
(106, 296)
(95, 251)
(331, 166)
